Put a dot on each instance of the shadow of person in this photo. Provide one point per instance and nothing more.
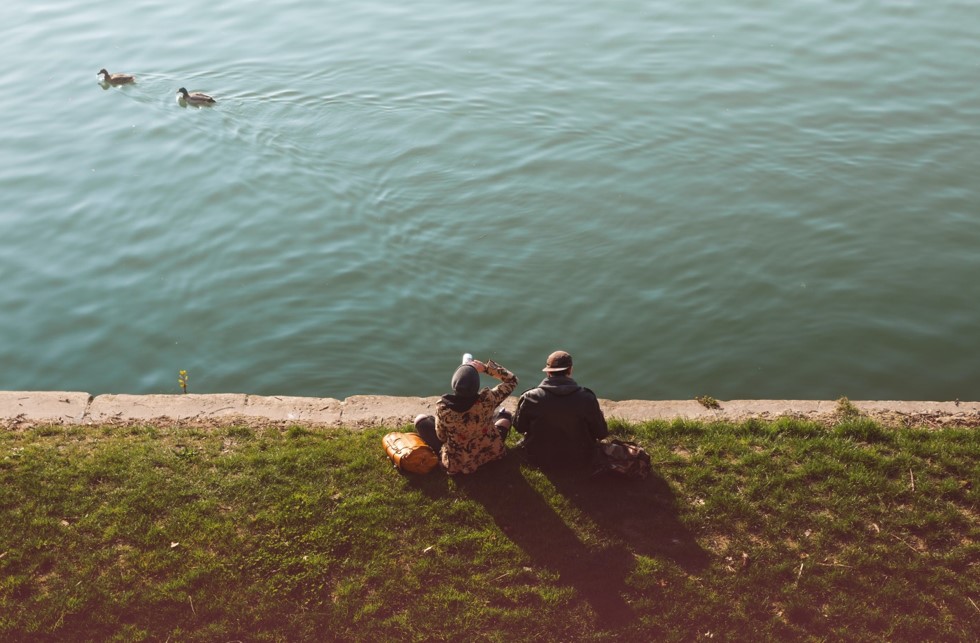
(640, 515)
(597, 572)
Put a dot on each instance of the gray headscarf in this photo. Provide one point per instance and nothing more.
(466, 388)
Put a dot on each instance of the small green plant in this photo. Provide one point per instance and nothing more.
(846, 409)
(708, 402)
(182, 380)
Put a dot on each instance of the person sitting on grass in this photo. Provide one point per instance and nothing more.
(469, 429)
(561, 421)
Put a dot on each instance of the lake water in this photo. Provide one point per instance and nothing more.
(751, 199)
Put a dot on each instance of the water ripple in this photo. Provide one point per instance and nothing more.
(745, 200)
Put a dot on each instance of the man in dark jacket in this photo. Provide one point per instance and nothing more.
(561, 421)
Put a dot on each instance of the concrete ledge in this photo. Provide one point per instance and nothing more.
(109, 408)
(380, 410)
(57, 407)
(72, 408)
(311, 410)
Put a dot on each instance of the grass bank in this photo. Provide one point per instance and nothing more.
(785, 530)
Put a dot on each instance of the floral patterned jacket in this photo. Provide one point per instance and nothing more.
(470, 439)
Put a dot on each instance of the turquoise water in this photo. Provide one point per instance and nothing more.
(740, 199)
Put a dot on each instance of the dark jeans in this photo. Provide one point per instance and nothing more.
(425, 426)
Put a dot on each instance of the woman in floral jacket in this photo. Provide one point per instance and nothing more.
(467, 430)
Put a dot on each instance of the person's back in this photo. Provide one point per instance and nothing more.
(468, 429)
(561, 421)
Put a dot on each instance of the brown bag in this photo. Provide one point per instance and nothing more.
(627, 459)
(409, 452)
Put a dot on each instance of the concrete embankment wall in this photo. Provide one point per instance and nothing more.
(18, 408)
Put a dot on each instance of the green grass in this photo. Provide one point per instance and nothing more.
(708, 402)
(756, 531)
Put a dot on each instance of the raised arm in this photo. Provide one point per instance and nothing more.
(508, 381)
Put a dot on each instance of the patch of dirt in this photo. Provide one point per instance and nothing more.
(681, 452)
(931, 420)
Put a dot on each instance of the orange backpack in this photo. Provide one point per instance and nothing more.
(409, 452)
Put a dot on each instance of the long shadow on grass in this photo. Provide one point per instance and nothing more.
(632, 518)
(640, 514)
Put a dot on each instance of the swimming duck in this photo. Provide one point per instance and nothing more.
(116, 79)
(195, 98)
